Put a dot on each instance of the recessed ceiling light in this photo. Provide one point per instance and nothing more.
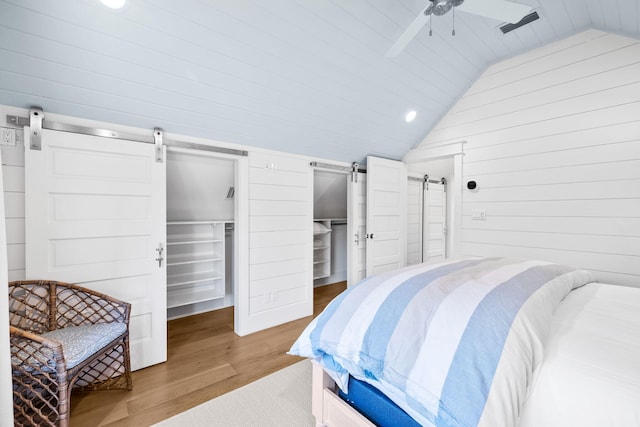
(410, 116)
(113, 4)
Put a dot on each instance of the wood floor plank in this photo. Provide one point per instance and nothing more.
(205, 360)
(195, 382)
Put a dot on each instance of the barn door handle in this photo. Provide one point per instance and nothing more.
(159, 249)
(370, 236)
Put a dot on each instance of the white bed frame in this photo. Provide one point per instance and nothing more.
(327, 407)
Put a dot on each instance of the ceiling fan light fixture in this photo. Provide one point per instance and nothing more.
(441, 7)
(429, 10)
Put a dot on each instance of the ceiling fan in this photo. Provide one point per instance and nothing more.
(501, 10)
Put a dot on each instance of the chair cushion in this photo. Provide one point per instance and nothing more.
(80, 342)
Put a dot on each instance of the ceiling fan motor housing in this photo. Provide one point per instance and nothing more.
(441, 7)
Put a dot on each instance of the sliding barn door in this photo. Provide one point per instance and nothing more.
(386, 215)
(435, 230)
(6, 408)
(280, 285)
(357, 229)
(414, 221)
(95, 216)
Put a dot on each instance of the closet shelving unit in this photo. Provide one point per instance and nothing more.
(195, 262)
(321, 249)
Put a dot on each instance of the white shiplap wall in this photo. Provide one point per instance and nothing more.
(553, 140)
(13, 174)
(280, 247)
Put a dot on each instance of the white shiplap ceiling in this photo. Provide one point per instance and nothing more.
(302, 76)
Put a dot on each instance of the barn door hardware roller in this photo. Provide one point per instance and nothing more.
(354, 171)
(157, 140)
(36, 119)
(36, 123)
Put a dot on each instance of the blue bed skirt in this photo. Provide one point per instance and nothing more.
(375, 406)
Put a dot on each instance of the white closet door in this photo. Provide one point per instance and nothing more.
(356, 230)
(6, 407)
(414, 221)
(95, 216)
(386, 215)
(435, 234)
(280, 285)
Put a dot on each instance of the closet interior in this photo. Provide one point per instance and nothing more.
(329, 227)
(200, 221)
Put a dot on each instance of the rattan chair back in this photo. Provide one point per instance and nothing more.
(42, 384)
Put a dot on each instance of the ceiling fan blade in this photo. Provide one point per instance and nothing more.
(408, 35)
(501, 10)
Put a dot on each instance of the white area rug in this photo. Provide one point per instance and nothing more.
(279, 400)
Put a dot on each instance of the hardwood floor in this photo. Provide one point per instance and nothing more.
(205, 359)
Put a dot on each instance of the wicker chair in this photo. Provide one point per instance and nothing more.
(64, 337)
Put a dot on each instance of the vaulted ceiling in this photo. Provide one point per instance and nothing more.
(302, 76)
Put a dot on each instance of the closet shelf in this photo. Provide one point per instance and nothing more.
(189, 296)
(181, 240)
(322, 249)
(195, 262)
(191, 259)
(175, 280)
(198, 222)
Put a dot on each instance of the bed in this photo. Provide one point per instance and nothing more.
(477, 342)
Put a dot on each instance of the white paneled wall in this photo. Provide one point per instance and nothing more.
(553, 141)
(13, 174)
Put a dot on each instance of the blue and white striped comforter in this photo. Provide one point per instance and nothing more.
(453, 344)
